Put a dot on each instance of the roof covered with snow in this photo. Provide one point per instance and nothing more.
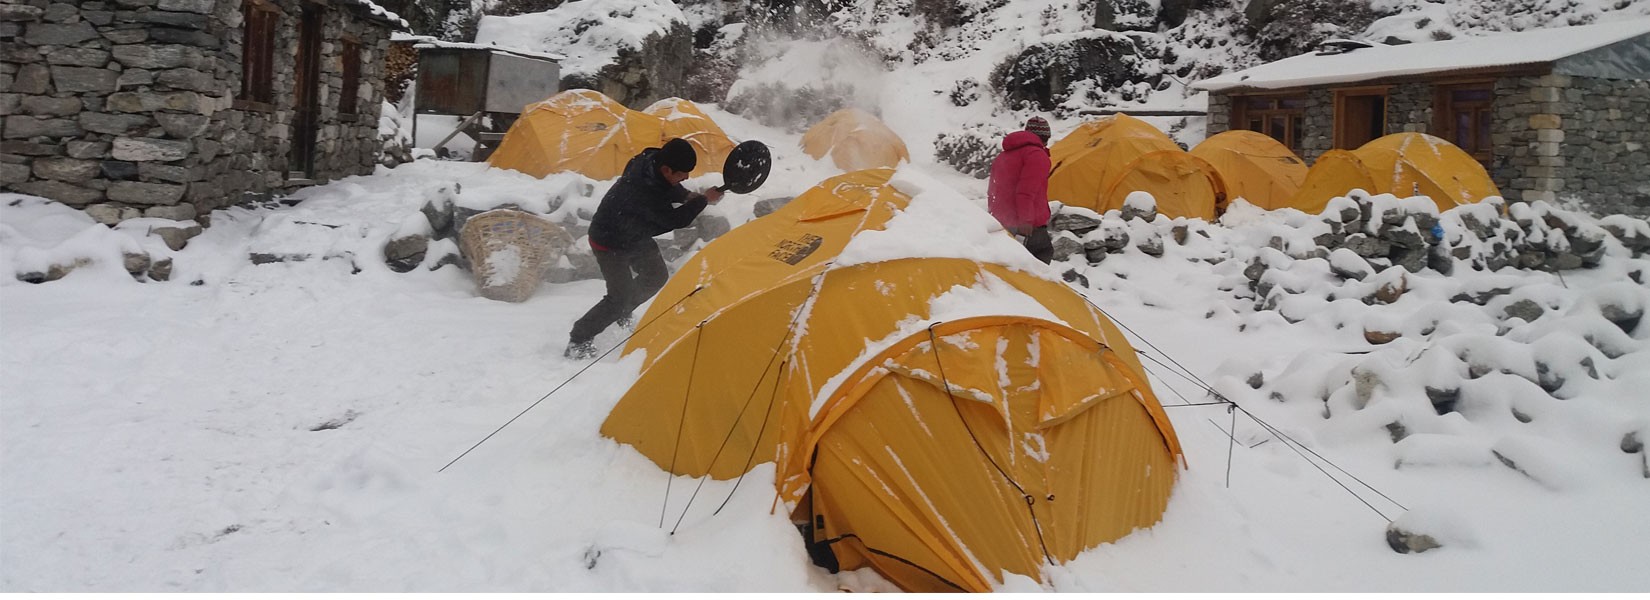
(1533, 47)
(380, 13)
(425, 41)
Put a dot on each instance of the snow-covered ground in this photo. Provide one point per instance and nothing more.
(283, 426)
(280, 427)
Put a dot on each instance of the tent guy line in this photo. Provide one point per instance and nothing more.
(687, 397)
(1289, 442)
(777, 349)
(563, 384)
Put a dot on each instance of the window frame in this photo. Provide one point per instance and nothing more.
(1446, 108)
(261, 20)
(1293, 118)
(349, 71)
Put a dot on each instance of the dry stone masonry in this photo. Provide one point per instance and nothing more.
(1556, 137)
(128, 109)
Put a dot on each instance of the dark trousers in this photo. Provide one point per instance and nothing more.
(1040, 244)
(633, 275)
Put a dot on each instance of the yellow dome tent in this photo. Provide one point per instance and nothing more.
(577, 130)
(1099, 131)
(908, 441)
(1417, 164)
(1183, 185)
(683, 119)
(1255, 167)
(855, 140)
(1335, 173)
(1401, 164)
(1083, 178)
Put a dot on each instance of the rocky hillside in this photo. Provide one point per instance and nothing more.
(956, 74)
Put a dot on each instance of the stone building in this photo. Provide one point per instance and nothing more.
(1552, 114)
(173, 108)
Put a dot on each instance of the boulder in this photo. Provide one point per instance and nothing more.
(161, 270)
(1526, 309)
(1627, 318)
(1380, 337)
(1409, 542)
(1045, 74)
(1389, 291)
(176, 237)
(406, 253)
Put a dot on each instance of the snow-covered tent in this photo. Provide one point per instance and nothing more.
(1403, 164)
(577, 130)
(944, 415)
(683, 119)
(1253, 166)
(855, 140)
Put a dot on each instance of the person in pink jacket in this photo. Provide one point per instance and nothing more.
(1018, 191)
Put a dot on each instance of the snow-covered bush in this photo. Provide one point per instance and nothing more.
(1098, 68)
(1297, 26)
(971, 150)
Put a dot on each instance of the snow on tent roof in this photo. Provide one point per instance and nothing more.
(1500, 50)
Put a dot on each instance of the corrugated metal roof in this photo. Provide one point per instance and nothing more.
(1534, 47)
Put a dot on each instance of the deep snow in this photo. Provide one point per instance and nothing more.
(279, 427)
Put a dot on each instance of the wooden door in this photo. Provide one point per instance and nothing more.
(305, 105)
(1360, 117)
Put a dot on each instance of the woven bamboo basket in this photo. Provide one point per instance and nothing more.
(510, 250)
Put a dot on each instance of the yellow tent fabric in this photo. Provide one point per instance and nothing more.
(1417, 164)
(683, 119)
(903, 438)
(577, 130)
(856, 140)
(1083, 178)
(1335, 173)
(1253, 166)
(1183, 185)
(1099, 131)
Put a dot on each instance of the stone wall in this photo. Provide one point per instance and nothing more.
(1526, 137)
(1320, 125)
(126, 108)
(1556, 137)
(1606, 145)
(1409, 108)
(1561, 137)
(1220, 113)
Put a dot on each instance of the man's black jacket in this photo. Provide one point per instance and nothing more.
(642, 205)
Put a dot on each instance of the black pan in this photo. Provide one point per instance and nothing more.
(746, 168)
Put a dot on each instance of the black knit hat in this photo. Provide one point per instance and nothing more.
(678, 155)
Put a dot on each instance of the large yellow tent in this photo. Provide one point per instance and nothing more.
(683, 119)
(855, 140)
(1335, 173)
(1183, 185)
(1082, 179)
(577, 130)
(1253, 166)
(1099, 131)
(1401, 164)
(942, 452)
(1418, 164)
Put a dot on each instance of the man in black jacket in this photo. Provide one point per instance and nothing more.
(648, 200)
